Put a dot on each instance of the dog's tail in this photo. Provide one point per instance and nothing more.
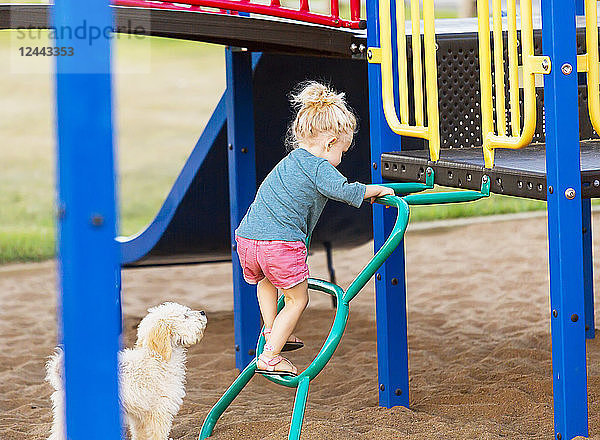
(55, 369)
(55, 376)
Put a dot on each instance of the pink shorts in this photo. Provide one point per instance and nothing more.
(282, 262)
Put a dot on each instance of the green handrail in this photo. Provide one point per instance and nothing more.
(330, 344)
(450, 197)
(443, 198)
(389, 246)
(219, 408)
(404, 188)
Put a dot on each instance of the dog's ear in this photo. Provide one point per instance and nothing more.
(159, 339)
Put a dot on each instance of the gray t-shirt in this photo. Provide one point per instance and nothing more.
(290, 200)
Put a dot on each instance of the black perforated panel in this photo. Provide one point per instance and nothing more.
(459, 92)
(459, 96)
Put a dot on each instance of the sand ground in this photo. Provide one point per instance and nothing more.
(479, 337)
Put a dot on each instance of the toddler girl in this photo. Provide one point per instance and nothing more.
(272, 236)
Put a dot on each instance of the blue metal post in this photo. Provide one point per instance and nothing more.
(588, 268)
(565, 239)
(87, 250)
(242, 189)
(390, 286)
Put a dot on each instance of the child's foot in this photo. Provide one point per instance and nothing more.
(295, 339)
(275, 365)
(293, 342)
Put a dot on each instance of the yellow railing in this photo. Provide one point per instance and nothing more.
(383, 56)
(498, 138)
(589, 62)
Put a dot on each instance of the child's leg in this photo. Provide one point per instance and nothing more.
(296, 300)
(267, 301)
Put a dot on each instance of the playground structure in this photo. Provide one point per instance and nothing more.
(461, 153)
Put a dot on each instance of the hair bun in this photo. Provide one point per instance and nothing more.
(315, 95)
(319, 109)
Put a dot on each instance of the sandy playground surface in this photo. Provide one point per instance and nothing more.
(479, 341)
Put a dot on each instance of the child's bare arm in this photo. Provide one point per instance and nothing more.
(375, 191)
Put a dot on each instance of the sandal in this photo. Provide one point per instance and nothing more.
(271, 363)
(297, 344)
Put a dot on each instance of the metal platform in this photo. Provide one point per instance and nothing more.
(520, 173)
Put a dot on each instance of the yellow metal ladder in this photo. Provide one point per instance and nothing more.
(383, 55)
(532, 64)
(494, 131)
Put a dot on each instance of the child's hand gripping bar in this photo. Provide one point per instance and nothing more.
(406, 189)
(402, 203)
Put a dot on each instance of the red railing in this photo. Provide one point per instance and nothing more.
(274, 9)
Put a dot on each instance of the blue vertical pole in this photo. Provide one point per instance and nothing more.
(242, 189)
(588, 268)
(87, 250)
(565, 239)
(390, 286)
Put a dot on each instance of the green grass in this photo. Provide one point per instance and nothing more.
(159, 114)
(26, 244)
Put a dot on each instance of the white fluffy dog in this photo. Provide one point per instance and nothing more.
(151, 375)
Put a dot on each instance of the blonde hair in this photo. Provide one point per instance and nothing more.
(319, 109)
